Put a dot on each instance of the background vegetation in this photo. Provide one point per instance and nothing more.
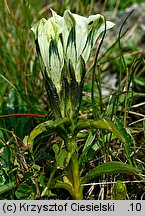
(22, 91)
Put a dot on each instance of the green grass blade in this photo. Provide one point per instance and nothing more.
(9, 82)
(144, 128)
(93, 74)
(89, 140)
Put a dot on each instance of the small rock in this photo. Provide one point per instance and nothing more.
(135, 24)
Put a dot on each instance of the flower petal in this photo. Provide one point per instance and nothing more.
(37, 28)
(55, 64)
(71, 40)
(47, 33)
(96, 25)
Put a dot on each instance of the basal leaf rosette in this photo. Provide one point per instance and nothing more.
(65, 44)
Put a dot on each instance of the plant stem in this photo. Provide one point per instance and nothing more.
(73, 170)
(49, 182)
(76, 177)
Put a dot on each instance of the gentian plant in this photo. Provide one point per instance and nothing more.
(64, 46)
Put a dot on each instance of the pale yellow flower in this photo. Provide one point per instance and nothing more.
(65, 44)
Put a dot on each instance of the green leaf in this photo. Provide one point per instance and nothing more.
(56, 149)
(110, 168)
(122, 130)
(5, 156)
(7, 187)
(140, 81)
(119, 191)
(25, 191)
(89, 140)
(65, 186)
(127, 139)
(1, 137)
(44, 127)
(88, 150)
(100, 124)
(61, 158)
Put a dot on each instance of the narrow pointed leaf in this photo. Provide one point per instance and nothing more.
(61, 158)
(123, 130)
(128, 140)
(110, 168)
(100, 124)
